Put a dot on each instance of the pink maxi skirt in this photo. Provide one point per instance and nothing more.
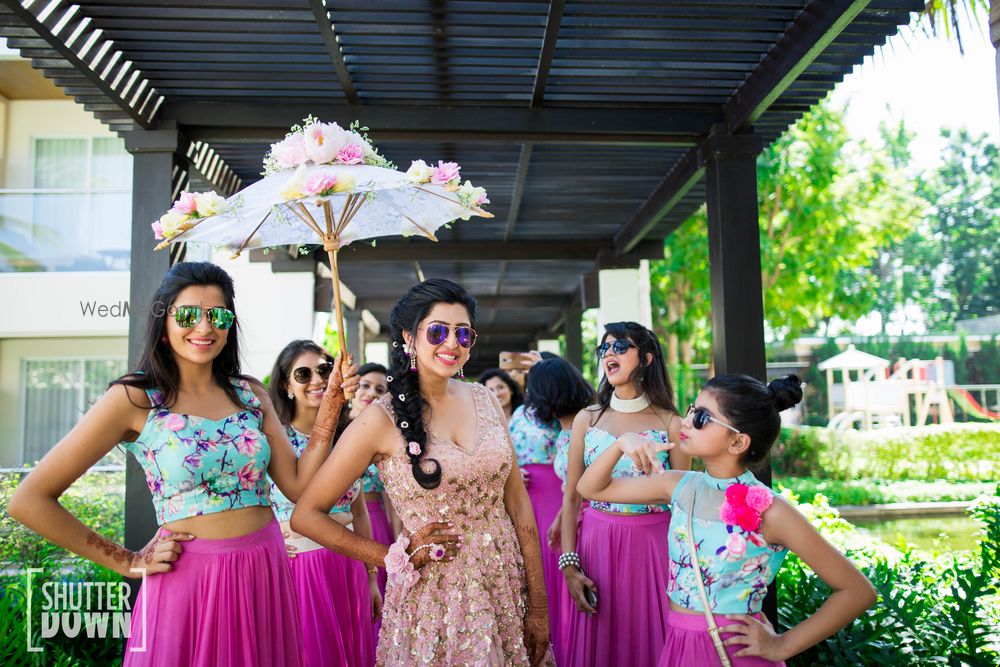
(227, 602)
(545, 491)
(688, 643)
(334, 609)
(625, 555)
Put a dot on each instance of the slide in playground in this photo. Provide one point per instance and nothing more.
(971, 406)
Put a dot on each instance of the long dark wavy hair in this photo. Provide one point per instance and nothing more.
(404, 384)
(157, 368)
(651, 378)
(284, 406)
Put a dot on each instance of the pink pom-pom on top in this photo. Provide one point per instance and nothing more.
(747, 519)
(727, 513)
(759, 498)
(736, 494)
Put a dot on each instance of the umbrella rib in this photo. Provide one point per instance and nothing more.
(247, 239)
(306, 218)
(173, 238)
(356, 201)
(478, 210)
(328, 214)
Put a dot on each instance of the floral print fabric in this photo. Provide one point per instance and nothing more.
(736, 565)
(283, 507)
(596, 442)
(197, 466)
(534, 442)
(371, 482)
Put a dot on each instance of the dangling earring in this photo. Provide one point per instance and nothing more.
(291, 396)
(461, 373)
(412, 354)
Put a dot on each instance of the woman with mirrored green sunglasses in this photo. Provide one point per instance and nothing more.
(205, 435)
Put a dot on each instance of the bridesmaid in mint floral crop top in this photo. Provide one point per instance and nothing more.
(729, 534)
(206, 437)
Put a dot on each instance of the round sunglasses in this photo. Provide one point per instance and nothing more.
(620, 346)
(437, 334)
(188, 317)
(303, 374)
(700, 419)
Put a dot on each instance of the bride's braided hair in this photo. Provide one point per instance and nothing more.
(404, 384)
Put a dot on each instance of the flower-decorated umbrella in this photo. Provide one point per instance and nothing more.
(325, 185)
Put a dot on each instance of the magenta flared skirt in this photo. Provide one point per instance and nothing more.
(335, 609)
(381, 532)
(545, 491)
(688, 643)
(626, 558)
(228, 602)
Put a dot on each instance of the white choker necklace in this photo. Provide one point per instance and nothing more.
(629, 405)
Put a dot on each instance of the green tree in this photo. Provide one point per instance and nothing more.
(964, 229)
(829, 206)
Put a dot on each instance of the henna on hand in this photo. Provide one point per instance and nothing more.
(329, 410)
(112, 550)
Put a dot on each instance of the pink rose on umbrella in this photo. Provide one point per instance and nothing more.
(157, 231)
(175, 422)
(186, 204)
(445, 173)
(320, 183)
(351, 154)
(290, 152)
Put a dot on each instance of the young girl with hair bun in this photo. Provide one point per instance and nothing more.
(735, 528)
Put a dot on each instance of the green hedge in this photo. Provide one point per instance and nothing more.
(957, 452)
(942, 610)
(877, 491)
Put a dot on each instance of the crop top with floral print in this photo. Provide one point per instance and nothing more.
(196, 465)
(283, 507)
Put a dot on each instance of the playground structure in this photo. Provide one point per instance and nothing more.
(913, 393)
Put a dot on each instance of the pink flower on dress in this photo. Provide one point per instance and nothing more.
(249, 475)
(175, 422)
(727, 513)
(396, 560)
(351, 154)
(246, 443)
(759, 498)
(290, 152)
(411, 577)
(736, 547)
(187, 204)
(319, 183)
(445, 173)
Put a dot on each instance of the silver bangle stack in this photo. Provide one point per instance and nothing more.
(569, 558)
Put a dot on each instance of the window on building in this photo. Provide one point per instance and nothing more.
(57, 393)
(77, 214)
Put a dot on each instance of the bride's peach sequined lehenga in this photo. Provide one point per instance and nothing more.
(469, 611)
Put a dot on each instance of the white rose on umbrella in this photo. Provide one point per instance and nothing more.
(420, 172)
(323, 141)
(209, 203)
(290, 152)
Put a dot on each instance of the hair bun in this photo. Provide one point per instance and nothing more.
(786, 391)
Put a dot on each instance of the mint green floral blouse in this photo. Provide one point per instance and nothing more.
(736, 565)
(596, 442)
(198, 466)
(283, 507)
(534, 441)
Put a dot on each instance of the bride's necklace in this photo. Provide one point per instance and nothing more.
(629, 405)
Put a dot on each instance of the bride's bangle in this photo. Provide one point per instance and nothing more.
(570, 558)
